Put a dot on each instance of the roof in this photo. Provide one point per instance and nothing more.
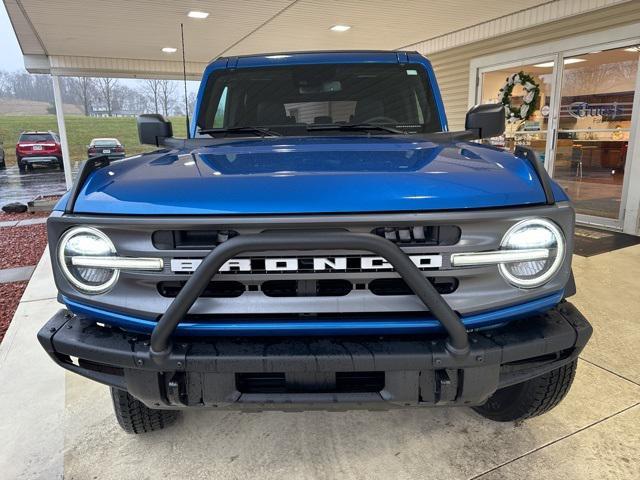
(311, 57)
(319, 52)
(67, 37)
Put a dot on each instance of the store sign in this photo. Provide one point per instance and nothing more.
(584, 109)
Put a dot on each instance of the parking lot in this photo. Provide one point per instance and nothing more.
(23, 187)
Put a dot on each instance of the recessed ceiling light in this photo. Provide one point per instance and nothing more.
(340, 28)
(169, 50)
(567, 61)
(197, 14)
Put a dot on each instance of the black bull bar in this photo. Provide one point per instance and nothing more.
(160, 347)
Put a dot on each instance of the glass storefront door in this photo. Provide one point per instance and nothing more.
(532, 131)
(592, 135)
(580, 124)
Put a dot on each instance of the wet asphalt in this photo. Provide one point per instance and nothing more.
(23, 187)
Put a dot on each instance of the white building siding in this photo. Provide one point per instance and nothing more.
(452, 65)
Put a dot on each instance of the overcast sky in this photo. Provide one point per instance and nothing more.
(10, 54)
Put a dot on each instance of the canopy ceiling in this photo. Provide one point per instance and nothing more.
(125, 38)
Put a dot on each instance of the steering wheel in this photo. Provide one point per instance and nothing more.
(380, 119)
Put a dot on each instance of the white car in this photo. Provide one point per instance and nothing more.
(105, 146)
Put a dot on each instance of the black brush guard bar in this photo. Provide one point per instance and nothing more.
(160, 348)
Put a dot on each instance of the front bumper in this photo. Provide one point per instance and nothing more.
(310, 373)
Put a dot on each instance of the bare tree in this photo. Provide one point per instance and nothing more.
(107, 87)
(84, 90)
(167, 90)
(191, 101)
(151, 89)
(5, 85)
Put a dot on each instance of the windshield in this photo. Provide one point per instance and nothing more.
(35, 137)
(291, 99)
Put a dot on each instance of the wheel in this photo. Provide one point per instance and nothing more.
(61, 164)
(21, 166)
(531, 398)
(135, 417)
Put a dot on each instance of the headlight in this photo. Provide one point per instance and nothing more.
(531, 235)
(87, 242)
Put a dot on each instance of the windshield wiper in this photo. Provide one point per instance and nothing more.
(354, 126)
(260, 131)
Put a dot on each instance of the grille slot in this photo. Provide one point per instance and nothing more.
(342, 382)
(360, 382)
(261, 383)
(306, 288)
(397, 286)
(421, 234)
(190, 239)
(213, 290)
(280, 288)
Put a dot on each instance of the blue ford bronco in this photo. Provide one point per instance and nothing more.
(320, 241)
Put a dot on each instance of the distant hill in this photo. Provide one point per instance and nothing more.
(11, 106)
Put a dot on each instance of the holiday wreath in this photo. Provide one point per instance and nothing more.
(532, 92)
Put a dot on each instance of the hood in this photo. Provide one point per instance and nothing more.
(345, 174)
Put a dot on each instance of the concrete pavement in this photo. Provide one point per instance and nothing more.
(61, 424)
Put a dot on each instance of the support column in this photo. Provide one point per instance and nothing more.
(62, 131)
(631, 192)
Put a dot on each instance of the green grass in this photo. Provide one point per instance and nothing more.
(80, 131)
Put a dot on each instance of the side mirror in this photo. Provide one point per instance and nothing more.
(153, 128)
(487, 120)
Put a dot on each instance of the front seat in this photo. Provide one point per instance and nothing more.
(271, 113)
(366, 109)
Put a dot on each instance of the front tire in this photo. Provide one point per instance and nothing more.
(531, 398)
(135, 417)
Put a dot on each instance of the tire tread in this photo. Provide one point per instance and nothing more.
(531, 398)
(135, 417)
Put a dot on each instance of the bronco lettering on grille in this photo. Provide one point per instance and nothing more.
(309, 264)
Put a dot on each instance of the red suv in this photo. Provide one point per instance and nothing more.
(38, 148)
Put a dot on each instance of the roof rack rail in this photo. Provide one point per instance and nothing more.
(530, 155)
(86, 168)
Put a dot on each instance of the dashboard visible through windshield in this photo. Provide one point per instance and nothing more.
(309, 99)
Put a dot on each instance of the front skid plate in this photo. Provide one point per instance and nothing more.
(417, 370)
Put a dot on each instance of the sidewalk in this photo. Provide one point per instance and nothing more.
(62, 424)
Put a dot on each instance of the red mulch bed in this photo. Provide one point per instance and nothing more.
(10, 294)
(22, 246)
(19, 247)
(8, 217)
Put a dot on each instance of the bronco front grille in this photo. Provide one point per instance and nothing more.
(308, 288)
(427, 235)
